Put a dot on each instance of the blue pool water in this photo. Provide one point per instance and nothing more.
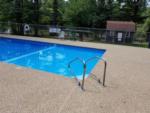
(49, 57)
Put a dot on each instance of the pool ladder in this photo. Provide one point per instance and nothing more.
(85, 67)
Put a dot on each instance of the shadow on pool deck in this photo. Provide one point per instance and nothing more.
(25, 90)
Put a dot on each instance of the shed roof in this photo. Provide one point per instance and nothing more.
(121, 25)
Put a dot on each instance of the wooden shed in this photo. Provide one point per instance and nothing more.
(120, 31)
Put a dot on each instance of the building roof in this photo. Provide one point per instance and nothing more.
(121, 26)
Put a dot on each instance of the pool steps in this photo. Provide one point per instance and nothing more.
(85, 67)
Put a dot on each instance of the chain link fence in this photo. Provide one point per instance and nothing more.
(76, 33)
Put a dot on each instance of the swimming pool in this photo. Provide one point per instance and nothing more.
(49, 57)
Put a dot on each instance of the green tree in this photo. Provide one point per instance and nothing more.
(131, 10)
(88, 13)
(6, 10)
(80, 12)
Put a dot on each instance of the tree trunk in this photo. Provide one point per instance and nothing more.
(36, 17)
(55, 13)
(18, 16)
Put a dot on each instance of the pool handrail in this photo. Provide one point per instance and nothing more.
(76, 59)
(105, 66)
(85, 66)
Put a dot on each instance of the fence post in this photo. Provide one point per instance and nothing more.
(148, 36)
(81, 36)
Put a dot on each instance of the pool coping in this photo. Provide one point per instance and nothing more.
(48, 40)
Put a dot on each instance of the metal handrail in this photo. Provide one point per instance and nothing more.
(85, 66)
(92, 58)
(105, 66)
(72, 72)
(77, 58)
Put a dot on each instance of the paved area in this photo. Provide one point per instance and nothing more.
(127, 88)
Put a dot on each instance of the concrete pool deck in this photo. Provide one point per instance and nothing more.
(127, 90)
